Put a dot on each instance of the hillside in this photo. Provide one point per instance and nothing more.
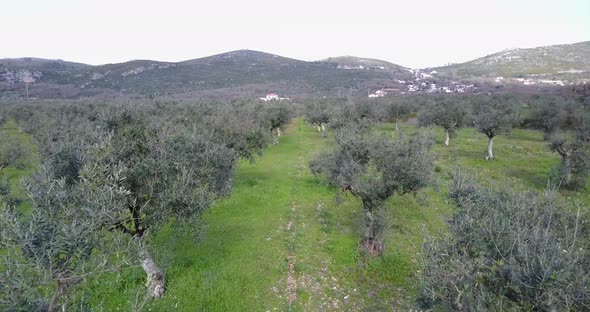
(243, 56)
(242, 73)
(251, 74)
(570, 62)
(53, 71)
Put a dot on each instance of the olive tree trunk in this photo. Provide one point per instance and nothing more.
(567, 170)
(490, 148)
(156, 279)
(447, 137)
(58, 292)
(275, 138)
(372, 241)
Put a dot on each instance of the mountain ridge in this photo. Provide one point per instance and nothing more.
(251, 71)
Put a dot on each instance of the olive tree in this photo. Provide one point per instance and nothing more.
(373, 169)
(396, 110)
(241, 129)
(508, 251)
(448, 113)
(574, 169)
(170, 162)
(494, 116)
(172, 175)
(60, 242)
(277, 115)
(317, 115)
(582, 125)
(549, 114)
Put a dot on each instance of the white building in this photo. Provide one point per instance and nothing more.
(378, 93)
(270, 97)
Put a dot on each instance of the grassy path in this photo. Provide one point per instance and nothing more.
(26, 164)
(264, 247)
(282, 242)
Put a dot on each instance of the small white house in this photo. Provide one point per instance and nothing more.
(270, 97)
(378, 93)
(274, 97)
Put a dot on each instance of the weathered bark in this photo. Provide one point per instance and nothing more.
(372, 241)
(490, 148)
(139, 229)
(56, 295)
(447, 137)
(279, 132)
(567, 170)
(275, 138)
(319, 128)
(156, 279)
(396, 126)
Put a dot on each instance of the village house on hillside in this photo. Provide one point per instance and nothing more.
(378, 93)
(273, 97)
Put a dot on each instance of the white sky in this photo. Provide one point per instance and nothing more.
(409, 33)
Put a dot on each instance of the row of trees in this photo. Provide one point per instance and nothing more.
(490, 115)
(507, 250)
(110, 177)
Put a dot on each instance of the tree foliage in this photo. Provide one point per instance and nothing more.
(508, 251)
(60, 242)
(549, 114)
(446, 112)
(495, 115)
(165, 163)
(374, 168)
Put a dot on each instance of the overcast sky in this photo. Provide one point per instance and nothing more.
(409, 33)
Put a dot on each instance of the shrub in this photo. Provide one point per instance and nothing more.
(508, 250)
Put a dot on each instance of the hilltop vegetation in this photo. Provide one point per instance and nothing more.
(353, 61)
(564, 62)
